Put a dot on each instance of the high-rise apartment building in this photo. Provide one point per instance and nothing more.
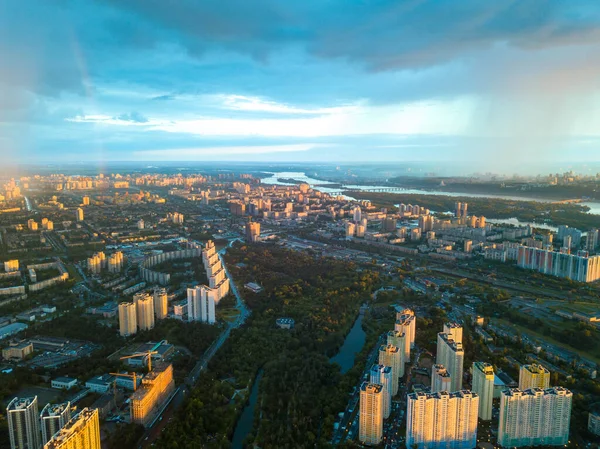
(426, 223)
(567, 242)
(389, 355)
(574, 233)
(402, 326)
(155, 389)
(79, 214)
(483, 386)
(144, 306)
(406, 324)
(398, 339)
(201, 304)
(176, 218)
(405, 317)
(53, 418)
(11, 265)
(534, 417)
(24, 423)
(592, 240)
(382, 375)
(160, 303)
(461, 209)
(350, 229)
(440, 379)
(442, 420)
(388, 224)
(533, 376)
(115, 262)
(127, 319)
(81, 432)
(454, 331)
(252, 232)
(451, 354)
(371, 414)
(578, 267)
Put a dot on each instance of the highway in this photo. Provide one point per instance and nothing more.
(153, 433)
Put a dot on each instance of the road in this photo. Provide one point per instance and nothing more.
(507, 285)
(28, 204)
(347, 421)
(391, 435)
(153, 433)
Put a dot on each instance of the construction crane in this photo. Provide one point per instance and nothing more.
(132, 376)
(141, 354)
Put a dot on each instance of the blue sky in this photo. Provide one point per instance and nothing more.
(496, 83)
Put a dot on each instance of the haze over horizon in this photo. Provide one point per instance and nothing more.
(500, 85)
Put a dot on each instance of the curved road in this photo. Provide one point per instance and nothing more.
(152, 434)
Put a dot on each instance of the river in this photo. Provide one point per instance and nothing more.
(353, 344)
(517, 222)
(246, 421)
(322, 186)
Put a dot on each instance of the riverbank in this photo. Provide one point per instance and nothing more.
(551, 214)
(331, 187)
(245, 423)
(353, 344)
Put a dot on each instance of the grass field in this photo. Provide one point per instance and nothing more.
(228, 315)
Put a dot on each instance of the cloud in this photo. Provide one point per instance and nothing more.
(505, 77)
(221, 151)
(255, 104)
(132, 117)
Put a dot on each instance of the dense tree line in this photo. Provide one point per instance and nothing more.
(301, 391)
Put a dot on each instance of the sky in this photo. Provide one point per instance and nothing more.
(494, 84)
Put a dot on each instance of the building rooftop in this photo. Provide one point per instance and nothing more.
(371, 388)
(441, 394)
(19, 344)
(485, 367)
(64, 379)
(535, 368)
(391, 348)
(20, 403)
(285, 320)
(559, 391)
(71, 428)
(55, 409)
(505, 378)
(162, 347)
(101, 380)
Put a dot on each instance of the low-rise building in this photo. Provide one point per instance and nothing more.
(63, 383)
(100, 384)
(594, 422)
(17, 350)
(285, 323)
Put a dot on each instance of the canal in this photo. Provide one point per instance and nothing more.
(353, 344)
(246, 421)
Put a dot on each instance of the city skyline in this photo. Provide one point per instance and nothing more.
(126, 81)
(277, 224)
